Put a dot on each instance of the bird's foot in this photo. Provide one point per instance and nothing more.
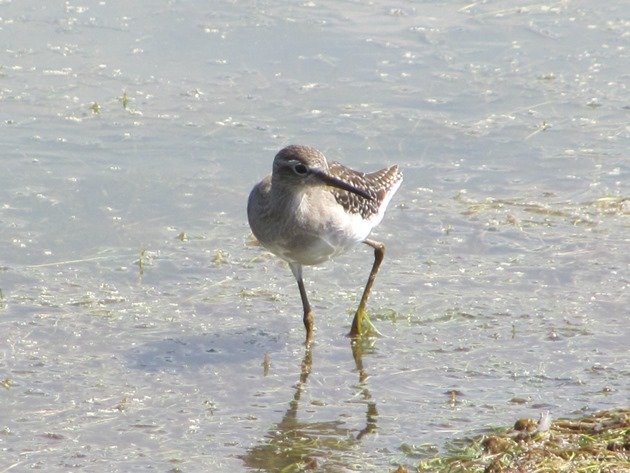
(369, 329)
(362, 326)
(309, 324)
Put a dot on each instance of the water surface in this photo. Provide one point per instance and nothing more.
(141, 329)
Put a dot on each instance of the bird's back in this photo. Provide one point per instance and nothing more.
(380, 185)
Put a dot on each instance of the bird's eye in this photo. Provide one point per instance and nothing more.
(300, 169)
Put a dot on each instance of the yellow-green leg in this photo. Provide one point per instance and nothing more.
(358, 321)
(309, 318)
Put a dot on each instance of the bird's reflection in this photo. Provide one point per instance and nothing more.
(358, 345)
(295, 445)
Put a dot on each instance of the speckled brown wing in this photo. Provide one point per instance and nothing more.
(378, 185)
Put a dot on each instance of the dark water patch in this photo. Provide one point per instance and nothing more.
(193, 352)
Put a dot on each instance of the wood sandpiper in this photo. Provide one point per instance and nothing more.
(308, 211)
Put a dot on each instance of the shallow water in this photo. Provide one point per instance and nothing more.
(142, 329)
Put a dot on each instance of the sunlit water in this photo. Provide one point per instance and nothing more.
(140, 328)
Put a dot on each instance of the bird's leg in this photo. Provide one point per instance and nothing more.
(379, 254)
(309, 318)
(308, 313)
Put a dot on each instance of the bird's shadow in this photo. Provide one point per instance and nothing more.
(190, 352)
(293, 444)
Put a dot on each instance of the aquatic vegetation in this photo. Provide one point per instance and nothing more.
(142, 260)
(599, 442)
(124, 100)
(525, 213)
